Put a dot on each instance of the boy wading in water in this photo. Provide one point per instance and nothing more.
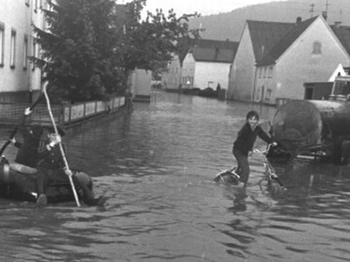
(243, 145)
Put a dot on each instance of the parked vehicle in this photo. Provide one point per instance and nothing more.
(318, 128)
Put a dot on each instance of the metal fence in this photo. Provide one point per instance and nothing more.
(12, 113)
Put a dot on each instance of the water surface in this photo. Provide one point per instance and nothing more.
(156, 165)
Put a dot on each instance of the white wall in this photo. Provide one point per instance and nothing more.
(298, 65)
(18, 16)
(188, 69)
(171, 79)
(141, 82)
(242, 72)
(215, 73)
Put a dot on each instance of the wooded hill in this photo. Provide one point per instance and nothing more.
(230, 25)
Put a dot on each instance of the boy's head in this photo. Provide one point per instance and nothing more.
(252, 119)
(252, 114)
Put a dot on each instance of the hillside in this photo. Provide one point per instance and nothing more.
(230, 25)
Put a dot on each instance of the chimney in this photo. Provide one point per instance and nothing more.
(337, 24)
(298, 21)
(324, 14)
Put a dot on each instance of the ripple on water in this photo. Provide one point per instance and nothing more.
(156, 166)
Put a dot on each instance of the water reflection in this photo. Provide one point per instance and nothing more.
(156, 165)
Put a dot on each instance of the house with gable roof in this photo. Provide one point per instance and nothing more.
(171, 77)
(257, 38)
(204, 63)
(208, 64)
(309, 52)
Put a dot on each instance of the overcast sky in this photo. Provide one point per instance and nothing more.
(204, 7)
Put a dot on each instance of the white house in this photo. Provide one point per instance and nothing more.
(202, 63)
(20, 81)
(258, 37)
(308, 53)
(140, 81)
(208, 66)
(171, 77)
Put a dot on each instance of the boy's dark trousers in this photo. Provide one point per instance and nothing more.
(242, 165)
(44, 176)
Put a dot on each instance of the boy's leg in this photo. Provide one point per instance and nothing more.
(243, 165)
(41, 184)
(83, 181)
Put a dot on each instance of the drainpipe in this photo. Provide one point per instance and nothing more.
(254, 84)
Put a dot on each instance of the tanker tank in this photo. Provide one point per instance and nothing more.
(303, 126)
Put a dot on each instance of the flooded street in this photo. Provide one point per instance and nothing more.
(156, 165)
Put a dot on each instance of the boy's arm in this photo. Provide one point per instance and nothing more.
(21, 125)
(264, 136)
(43, 149)
(17, 144)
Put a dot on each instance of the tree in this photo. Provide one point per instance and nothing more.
(77, 49)
(89, 48)
(151, 44)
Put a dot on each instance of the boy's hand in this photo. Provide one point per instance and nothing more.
(13, 140)
(273, 176)
(68, 172)
(27, 111)
(56, 139)
(274, 144)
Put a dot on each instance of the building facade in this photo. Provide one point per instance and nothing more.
(258, 38)
(171, 77)
(274, 60)
(19, 79)
(311, 55)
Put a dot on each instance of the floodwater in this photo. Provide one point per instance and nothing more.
(156, 165)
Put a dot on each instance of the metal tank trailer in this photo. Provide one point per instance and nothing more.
(314, 128)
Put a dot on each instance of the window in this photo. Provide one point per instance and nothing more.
(36, 5)
(25, 52)
(2, 44)
(13, 49)
(270, 71)
(317, 48)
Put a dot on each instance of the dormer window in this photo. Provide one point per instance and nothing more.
(317, 48)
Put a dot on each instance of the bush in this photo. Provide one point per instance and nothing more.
(208, 92)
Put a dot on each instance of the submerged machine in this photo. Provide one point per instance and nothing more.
(319, 128)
